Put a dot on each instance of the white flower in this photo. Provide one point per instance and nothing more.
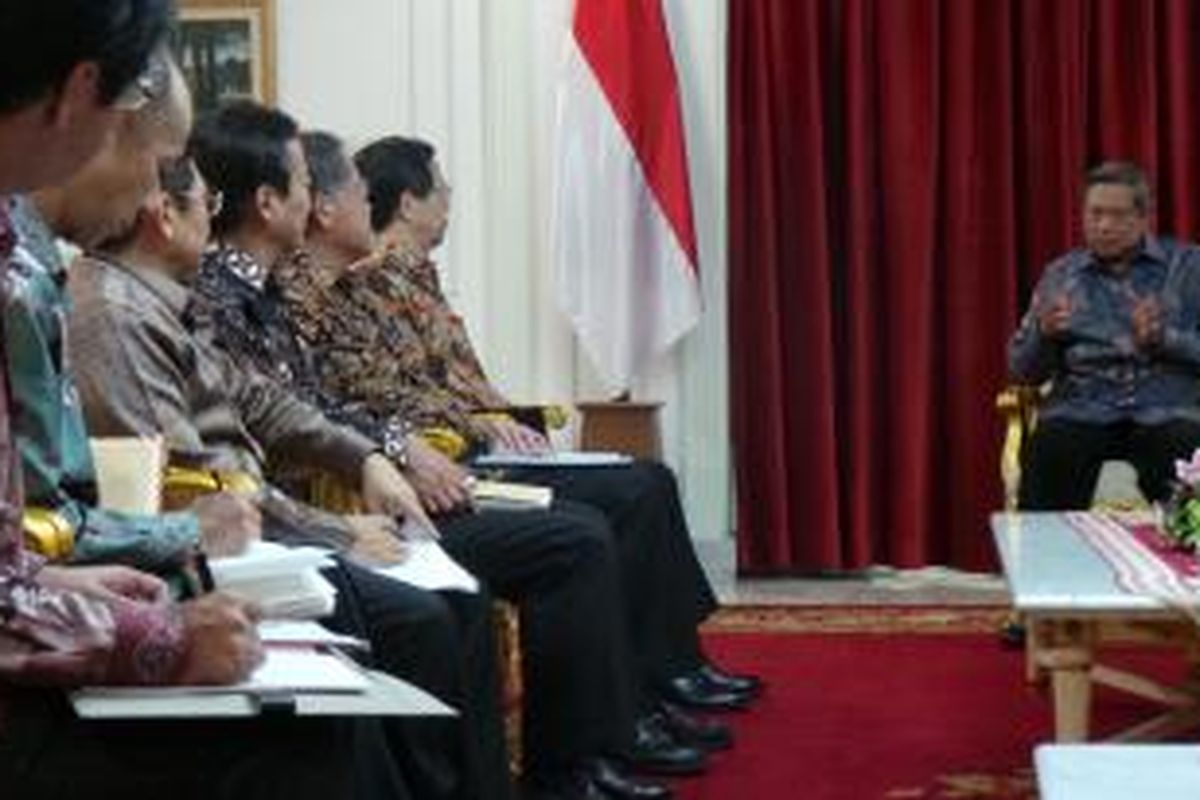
(1188, 472)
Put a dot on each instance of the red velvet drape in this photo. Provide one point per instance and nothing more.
(899, 172)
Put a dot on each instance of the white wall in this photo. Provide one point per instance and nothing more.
(478, 79)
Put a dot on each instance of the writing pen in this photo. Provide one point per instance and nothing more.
(207, 584)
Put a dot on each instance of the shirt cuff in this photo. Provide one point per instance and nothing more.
(149, 643)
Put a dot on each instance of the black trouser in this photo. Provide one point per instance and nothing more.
(558, 567)
(667, 594)
(1062, 460)
(442, 643)
(48, 754)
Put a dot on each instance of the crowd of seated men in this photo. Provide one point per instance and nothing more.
(265, 301)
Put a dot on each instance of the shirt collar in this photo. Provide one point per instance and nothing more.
(241, 265)
(175, 295)
(1149, 248)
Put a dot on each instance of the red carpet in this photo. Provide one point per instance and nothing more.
(885, 703)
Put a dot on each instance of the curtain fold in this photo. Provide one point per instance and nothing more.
(899, 173)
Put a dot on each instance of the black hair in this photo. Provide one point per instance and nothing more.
(328, 166)
(238, 148)
(391, 167)
(1122, 173)
(45, 39)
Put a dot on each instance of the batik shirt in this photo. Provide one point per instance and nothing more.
(147, 365)
(452, 359)
(49, 425)
(1098, 375)
(50, 637)
(368, 352)
(252, 325)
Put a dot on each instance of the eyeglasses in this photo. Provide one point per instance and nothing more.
(213, 203)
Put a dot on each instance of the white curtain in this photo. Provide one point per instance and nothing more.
(478, 79)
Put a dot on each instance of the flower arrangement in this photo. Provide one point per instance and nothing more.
(1181, 513)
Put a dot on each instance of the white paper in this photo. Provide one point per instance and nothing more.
(277, 631)
(566, 458)
(427, 566)
(284, 581)
(385, 695)
(285, 669)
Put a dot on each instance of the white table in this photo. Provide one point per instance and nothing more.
(1072, 604)
(1118, 772)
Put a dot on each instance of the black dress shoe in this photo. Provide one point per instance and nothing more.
(656, 751)
(613, 782)
(719, 679)
(693, 691)
(706, 734)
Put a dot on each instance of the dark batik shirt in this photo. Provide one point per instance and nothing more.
(368, 351)
(451, 356)
(252, 325)
(1097, 373)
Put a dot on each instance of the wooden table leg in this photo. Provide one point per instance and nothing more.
(1069, 661)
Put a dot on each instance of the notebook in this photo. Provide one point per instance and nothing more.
(284, 581)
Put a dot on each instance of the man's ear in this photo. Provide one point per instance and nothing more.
(80, 90)
(404, 208)
(158, 212)
(266, 203)
(322, 213)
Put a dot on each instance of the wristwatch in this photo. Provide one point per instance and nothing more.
(395, 441)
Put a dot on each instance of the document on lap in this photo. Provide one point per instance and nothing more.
(427, 566)
(299, 679)
(284, 581)
(556, 459)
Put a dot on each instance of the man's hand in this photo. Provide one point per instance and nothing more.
(441, 484)
(376, 539)
(386, 491)
(512, 437)
(1147, 323)
(228, 523)
(106, 583)
(1055, 317)
(222, 641)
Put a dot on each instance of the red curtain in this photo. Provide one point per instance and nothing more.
(899, 173)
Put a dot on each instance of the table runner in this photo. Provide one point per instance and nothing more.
(1142, 561)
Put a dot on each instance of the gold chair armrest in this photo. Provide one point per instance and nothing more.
(48, 533)
(447, 441)
(183, 485)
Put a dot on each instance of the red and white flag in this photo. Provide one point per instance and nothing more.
(623, 240)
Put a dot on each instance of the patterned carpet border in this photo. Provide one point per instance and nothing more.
(857, 619)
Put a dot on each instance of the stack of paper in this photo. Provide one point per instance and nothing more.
(565, 458)
(283, 581)
(427, 566)
(510, 496)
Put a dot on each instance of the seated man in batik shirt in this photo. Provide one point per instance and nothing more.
(1115, 329)
(370, 353)
(545, 561)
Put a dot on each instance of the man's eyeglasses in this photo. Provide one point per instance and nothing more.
(213, 203)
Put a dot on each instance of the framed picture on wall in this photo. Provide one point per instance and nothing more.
(226, 49)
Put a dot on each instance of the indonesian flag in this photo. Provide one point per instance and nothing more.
(623, 241)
